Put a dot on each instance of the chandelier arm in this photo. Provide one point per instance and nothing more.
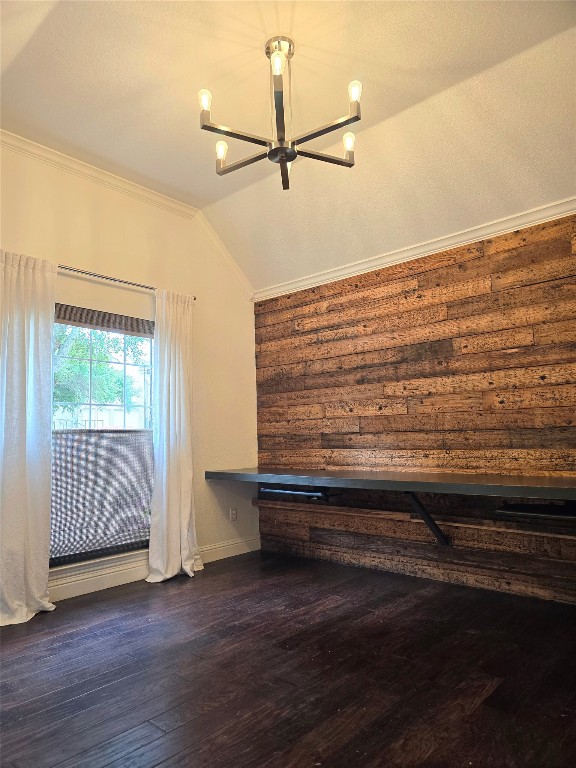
(353, 117)
(206, 125)
(222, 169)
(284, 174)
(347, 161)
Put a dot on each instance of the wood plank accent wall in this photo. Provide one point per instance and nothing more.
(536, 560)
(464, 361)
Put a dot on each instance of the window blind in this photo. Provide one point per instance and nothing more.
(104, 321)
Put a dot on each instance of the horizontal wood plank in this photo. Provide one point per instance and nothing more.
(413, 353)
(407, 302)
(310, 426)
(497, 461)
(539, 233)
(474, 382)
(554, 291)
(389, 405)
(538, 273)
(526, 256)
(548, 437)
(324, 395)
(283, 440)
(488, 342)
(337, 302)
(449, 403)
(308, 411)
(556, 333)
(535, 397)
(443, 361)
(511, 420)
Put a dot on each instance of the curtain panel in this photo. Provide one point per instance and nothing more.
(173, 544)
(27, 293)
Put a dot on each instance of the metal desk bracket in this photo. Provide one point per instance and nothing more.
(422, 512)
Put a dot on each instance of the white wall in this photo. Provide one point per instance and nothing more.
(67, 212)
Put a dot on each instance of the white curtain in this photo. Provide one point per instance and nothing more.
(173, 546)
(27, 287)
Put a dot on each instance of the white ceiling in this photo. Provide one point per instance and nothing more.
(468, 113)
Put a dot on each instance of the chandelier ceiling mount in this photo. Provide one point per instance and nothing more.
(282, 148)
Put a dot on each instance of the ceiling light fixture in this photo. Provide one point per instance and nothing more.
(282, 148)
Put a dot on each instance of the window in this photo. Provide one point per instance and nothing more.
(102, 457)
(102, 379)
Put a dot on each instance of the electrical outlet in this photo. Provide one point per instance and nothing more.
(233, 514)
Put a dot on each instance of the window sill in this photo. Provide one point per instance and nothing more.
(75, 579)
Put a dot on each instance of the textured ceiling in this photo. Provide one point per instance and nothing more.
(467, 113)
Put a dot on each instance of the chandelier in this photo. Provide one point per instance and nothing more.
(282, 148)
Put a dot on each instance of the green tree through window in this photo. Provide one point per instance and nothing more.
(101, 379)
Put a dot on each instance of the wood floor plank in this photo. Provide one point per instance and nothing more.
(114, 749)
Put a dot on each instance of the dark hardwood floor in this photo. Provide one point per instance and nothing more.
(279, 662)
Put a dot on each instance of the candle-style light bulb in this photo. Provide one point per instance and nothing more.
(205, 99)
(221, 150)
(349, 140)
(278, 62)
(355, 90)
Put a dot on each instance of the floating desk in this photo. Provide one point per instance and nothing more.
(556, 488)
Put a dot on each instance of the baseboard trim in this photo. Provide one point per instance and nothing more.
(220, 551)
(76, 579)
(540, 215)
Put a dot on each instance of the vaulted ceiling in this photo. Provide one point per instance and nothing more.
(468, 113)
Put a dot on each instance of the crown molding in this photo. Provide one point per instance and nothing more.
(499, 227)
(69, 164)
(225, 256)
